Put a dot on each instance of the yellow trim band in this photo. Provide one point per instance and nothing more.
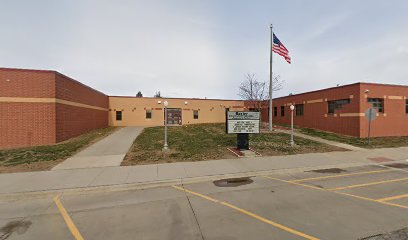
(396, 97)
(315, 101)
(352, 114)
(49, 100)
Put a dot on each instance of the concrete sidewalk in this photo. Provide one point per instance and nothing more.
(58, 180)
(108, 152)
(321, 140)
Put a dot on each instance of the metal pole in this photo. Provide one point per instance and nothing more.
(369, 124)
(165, 147)
(270, 83)
(292, 142)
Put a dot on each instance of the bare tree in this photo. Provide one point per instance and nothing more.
(257, 91)
(157, 94)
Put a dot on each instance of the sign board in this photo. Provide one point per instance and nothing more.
(370, 114)
(243, 122)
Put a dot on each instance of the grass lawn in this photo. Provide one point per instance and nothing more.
(209, 141)
(45, 157)
(378, 142)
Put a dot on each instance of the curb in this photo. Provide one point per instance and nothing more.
(169, 182)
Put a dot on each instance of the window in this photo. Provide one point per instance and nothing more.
(148, 114)
(299, 109)
(195, 113)
(406, 106)
(336, 104)
(118, 115)
(282, 111)
(275, 111)
(377, 103)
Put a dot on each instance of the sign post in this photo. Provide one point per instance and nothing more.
(242, 123)
(370, 115)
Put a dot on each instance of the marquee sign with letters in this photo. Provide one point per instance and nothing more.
(243, 122)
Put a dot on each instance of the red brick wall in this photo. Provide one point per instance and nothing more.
(40, 121)
(73, 121)
(23, 83)
(394, 121)
(315, 114)
(26, 124)
(69, 89)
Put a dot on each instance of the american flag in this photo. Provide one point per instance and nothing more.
(278, 48)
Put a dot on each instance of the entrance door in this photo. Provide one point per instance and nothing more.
(174, 116)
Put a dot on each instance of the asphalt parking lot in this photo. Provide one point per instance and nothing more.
(354, 203)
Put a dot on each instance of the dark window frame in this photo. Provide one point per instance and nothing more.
(118, 115)
(334, 105)
(377, 103)
(195, 114)
(282, 111)
(149, 114)
(406, 106)
(300, 110)
(275, 111)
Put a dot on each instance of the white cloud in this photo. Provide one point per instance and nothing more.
(203, 48)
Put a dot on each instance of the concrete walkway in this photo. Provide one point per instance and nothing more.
(89, 178)
(108, 152)
(321, 140)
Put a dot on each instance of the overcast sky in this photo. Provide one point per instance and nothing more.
(203, 48)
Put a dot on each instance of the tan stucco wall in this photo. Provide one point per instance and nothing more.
(134, 110)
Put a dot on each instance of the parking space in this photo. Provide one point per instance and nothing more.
(350, 203)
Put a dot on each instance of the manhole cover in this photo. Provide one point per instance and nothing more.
(233, 182)
(329, 170)
(398, 165)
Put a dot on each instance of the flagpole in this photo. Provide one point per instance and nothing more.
(270, 84)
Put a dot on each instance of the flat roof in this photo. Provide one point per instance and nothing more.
(52, 72)
(342, 86)
(207, 99)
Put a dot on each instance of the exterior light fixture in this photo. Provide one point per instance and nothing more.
(166, 146)
(159, 102)
(292, 143)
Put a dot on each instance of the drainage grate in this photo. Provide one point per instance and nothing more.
(329, 170)
(233, 182)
